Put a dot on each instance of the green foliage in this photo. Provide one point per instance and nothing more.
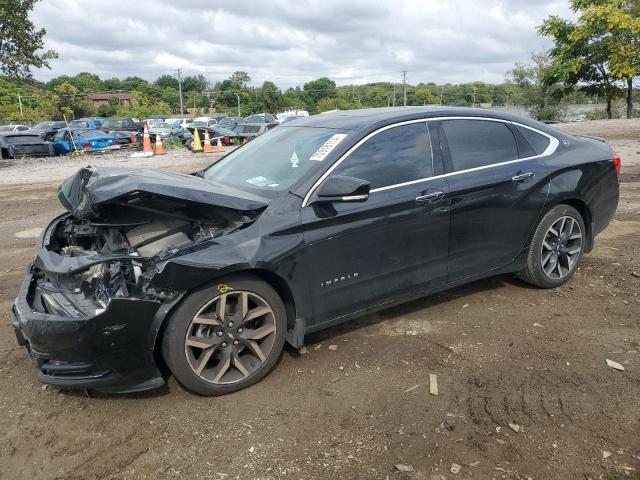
(597, 50)
(537, 88)
(20, 42)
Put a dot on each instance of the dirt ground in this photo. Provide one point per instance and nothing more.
(503, 352)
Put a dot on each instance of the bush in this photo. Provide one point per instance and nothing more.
(547, 113)
(597, 114)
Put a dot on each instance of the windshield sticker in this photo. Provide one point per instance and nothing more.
(328, 146)
(259, 181)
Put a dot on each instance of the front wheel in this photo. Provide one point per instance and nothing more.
(226, 337)
(556, 248)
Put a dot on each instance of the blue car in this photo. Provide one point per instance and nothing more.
(85, 140)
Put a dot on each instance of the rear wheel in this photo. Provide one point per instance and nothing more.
(225, 338)
(556, 248)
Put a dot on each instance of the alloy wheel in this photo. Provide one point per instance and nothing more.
(230, 337)
(561, 247)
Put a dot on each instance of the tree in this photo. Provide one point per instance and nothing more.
(167, 81)
(198, 83)
(316, 90)
(240, 78)
(579, 61)
(602, 46)
(20, 42)
(537, 92)
(270, 96)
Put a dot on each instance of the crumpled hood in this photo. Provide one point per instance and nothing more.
(90, 187)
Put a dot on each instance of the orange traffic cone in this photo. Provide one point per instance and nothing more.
(159, 146)
(146, 141)
(219, 148)
(207, 143)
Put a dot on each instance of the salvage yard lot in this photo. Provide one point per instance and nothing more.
(503, 352)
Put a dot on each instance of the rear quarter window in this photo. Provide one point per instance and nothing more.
(538, 143)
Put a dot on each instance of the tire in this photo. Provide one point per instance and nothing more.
(210, 357)
(567, 248)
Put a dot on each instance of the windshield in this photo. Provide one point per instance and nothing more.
(162, 125)
(224, 122)
(246, 128)
(199, 123)
(274, 161)
(112, 124)
(44, 126)
(257, 119)
(79, 124)
(25, 138)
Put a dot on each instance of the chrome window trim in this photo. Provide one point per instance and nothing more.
(551, 148)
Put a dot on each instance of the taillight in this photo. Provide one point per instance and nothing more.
(228, 141)
(87, 145)
(616, 163)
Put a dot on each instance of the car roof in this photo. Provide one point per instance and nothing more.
(367, 117)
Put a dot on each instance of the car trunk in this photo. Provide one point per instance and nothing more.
(27, 146)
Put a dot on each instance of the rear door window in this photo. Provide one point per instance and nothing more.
(397, 155)
(478, 143)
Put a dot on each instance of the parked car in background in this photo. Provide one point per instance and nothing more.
(86, 123)
(229, 122)
(19, 144)
(225, 135)
(48, 129)
(126, 138)
(266, 118)
(303, 228)
(165, 130)
(13, 128)
(291, 114)
(291, 118)
(128, 124)
(203, 123)
(250, 130)
(86, 140)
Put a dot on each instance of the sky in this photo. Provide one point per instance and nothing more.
(292, 42)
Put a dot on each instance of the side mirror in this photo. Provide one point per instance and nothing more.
(343, 189)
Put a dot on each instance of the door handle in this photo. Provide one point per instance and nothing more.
(523, 177)
(430, 197)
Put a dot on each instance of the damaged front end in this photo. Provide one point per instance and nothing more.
(88, 310)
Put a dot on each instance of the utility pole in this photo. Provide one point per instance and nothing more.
(238, 97)
(394, 95)
(474, 98)
(180, 91)
(441, 93)
(506, 103)
(20, 102)
(404, 86)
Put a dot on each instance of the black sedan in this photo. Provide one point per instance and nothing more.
(24, 144)
(311, 224)
(47, 130)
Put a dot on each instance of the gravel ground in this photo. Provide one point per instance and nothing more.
(503, 352)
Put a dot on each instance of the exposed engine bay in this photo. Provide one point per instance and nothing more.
(111, 249)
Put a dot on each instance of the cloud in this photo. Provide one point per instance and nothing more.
(293, 42)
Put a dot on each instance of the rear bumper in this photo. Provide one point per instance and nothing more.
(109, 350)
(17, 151)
